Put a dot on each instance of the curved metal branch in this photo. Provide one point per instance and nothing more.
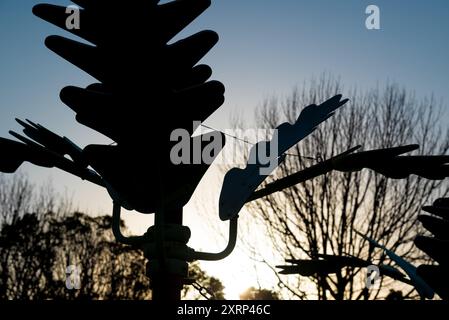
(190, 255)
(119, 236)
(205, 256)
(299, 177)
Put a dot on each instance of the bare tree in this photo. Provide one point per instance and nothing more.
(321, 215)
(15, 198)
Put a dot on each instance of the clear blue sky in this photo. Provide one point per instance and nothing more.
(266, 47)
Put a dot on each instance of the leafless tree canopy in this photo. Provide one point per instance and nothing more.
(320, 216)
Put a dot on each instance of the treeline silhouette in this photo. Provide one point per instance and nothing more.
(41, 234)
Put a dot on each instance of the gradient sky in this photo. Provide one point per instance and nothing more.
(266, 47)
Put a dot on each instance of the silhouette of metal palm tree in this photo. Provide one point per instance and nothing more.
(147, 87)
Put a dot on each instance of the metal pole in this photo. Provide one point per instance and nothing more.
(165, 285)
